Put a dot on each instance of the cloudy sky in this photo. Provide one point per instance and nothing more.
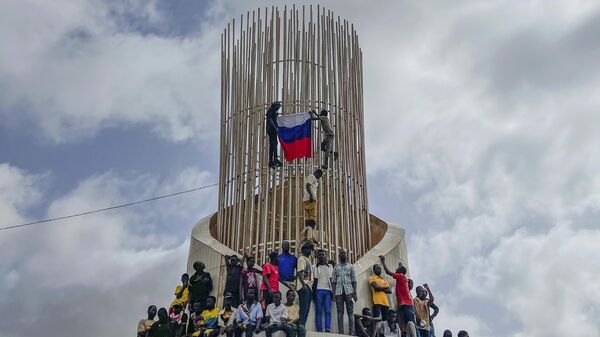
(482, 138)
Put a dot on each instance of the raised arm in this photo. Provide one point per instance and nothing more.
(385, 268)
(431, 298)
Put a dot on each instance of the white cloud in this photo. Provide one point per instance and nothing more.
(76, 70)
(130, 257)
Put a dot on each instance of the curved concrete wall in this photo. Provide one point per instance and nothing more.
(204, 247)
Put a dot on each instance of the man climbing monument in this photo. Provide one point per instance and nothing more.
(271, 129)
(327, 143)
(311, 182)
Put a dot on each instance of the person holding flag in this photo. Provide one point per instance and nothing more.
(271, 129)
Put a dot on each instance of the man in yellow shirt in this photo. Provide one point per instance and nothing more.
(380, 288)
(181, 293)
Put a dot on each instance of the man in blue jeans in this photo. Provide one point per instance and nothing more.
(305, 276)
(322, 289)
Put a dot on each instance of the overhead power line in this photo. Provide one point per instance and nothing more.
(107, 208)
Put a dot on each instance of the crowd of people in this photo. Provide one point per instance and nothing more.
(253, 301)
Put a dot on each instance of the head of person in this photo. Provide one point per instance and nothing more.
(285, 247)
(342, 255)
(185, 279)
(274, 258)
(401, 269)
(162, 315)
(197, 307)
(250, 262)
(391, 316)
(463, 333)
(366, 312)
(306, 249)
(177, 309)
(447, 333)
(290, 296)
(277, 297)
(199, 266)
(234, 260)
(210, 302)
(331, 262)
(323, 113)
(318, 173)
(250, 295)
(421, 292)
(410, 284)
(377, 269)
(321, 256)
(227, 300)
(151, 312)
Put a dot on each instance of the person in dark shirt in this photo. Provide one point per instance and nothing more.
(287, 263)
(200, 285)
(233, 283)
(271, 129)
(163, 327)
(249, 277)
(365, 323)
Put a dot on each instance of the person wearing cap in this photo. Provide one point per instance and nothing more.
(327, 143)
(271, 129)
(145, 324)
(343, 282)
(227, 316)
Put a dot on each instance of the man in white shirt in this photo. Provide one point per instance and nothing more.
(322, 289)
(311, 182)
(276, 315)
(305, 283)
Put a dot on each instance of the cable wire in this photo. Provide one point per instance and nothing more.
(107, 208)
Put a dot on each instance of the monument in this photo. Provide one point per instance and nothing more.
(308, 59)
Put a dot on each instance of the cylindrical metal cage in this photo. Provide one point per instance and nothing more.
(308, 60)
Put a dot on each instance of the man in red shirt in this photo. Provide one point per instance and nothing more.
(270, 284)
(406, 308)
(249, 277)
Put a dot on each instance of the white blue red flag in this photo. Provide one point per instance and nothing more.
(295, 135)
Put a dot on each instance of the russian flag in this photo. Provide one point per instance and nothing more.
(295, 135)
